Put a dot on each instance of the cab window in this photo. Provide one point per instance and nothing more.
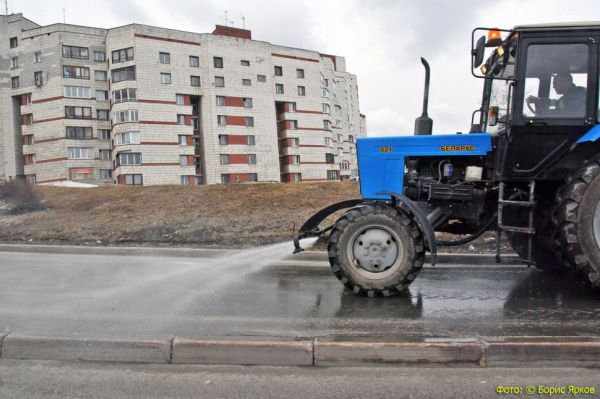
(556, 81)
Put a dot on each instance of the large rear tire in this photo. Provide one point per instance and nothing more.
(376, 250)
(577, 221)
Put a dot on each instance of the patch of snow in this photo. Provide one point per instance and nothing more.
(70, 184)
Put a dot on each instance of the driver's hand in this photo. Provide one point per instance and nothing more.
(532, 99)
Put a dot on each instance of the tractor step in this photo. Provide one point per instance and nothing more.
(529, 229)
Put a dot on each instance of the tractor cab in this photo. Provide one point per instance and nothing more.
(540, 93)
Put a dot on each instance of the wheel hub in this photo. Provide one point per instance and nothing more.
(375, 250)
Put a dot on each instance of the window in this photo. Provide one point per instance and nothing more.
(165, 78)
(253, 177)
(300, 73)
(550, 91)
(278, 71)
(127, 138)
(293, 124)
(249, 121)
(195, 80)
(218, 62)
(14, 82)
(185, 180)
(328, 142)
(224, 158)
(225, 178)
(301, 91)
(102, 114)
(337, 109)
(219, 81)
(37, 57)
(183, 160)
(332, 175)
(247, 103)
(294, 142)
(13, 42)
(75, 52)
(180, 119)
(194, 61)
(135, 180)
(74, 72)
(198, 179)
(297, 177)
(14, 62)
(78, 112)
(246, 82)
(195, 123)
(123, 95)
(122, 74)
(245, 63)
(122, 55)
(130, 115)
(77, 92)
(80, 174)
(351, 138)
(80, 153)
(250, 140)
(101, 95)
(326, 108)
(261, 78)
(220, 101)
(223, 139)
(103, 134)
(278, 88)
(221, 120)
(99, 56)
(28, 139)
(326, 124)
(324, 92)
(179, 99)
(329, 158)
(27, 119)
(26, 99)
(129, 158)
(196, 142)
(100, 75)
(29, 159)
(38, 78)
(105, 174)
(164, 58)
(105, 155)
(182, 139)
(79, 133)
(291, 107)
(295, 160)
(251, 159)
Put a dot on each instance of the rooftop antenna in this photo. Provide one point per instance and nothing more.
(6, 7)
(64, 16)
(226, 19)
(243, 21)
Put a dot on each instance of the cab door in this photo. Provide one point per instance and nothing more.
(543, 131)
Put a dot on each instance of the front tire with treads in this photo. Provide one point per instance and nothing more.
(376, 250)
(577, 221)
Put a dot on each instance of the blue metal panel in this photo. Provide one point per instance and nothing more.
(381, 159)
(592, 135)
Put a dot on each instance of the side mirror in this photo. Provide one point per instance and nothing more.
(478, 52)
(493, 116)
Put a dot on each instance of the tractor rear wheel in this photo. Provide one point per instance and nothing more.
(577, 221)
(376, 250)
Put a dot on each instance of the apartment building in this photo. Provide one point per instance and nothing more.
(144, 105)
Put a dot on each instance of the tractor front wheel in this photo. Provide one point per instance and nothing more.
(376, 250)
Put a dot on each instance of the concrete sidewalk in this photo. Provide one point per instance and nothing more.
(278, 351)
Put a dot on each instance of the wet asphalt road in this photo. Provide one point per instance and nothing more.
(254, 293)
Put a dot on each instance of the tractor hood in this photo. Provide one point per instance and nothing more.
(381, 159)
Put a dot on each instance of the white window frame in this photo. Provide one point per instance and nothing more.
(165, 78)
(80, 153)
(127, 138)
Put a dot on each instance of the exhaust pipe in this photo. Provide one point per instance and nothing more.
(424, 124)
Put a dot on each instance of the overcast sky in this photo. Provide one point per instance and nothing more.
(382, 41)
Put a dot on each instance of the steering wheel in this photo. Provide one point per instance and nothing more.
(530, 107)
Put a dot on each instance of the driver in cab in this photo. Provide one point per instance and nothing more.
(571, 103)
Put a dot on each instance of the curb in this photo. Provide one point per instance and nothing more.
(320, 352)
(127, 251)
(320, 256)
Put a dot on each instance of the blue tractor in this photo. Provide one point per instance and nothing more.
(533, 178)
